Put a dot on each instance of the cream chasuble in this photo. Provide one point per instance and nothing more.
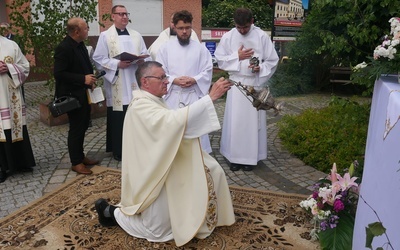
(12, 106)
(161, 151)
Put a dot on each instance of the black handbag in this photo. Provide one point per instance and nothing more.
(63, 105)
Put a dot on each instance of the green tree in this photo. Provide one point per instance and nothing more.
(219, 13)
(341, 32)
(41, 27)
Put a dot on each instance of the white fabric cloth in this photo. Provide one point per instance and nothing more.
(192, 60)
(170, 187)
(12, 105)
(392, 111)
(118, 88)
(164, 37)
(244, 131)
(381, 175)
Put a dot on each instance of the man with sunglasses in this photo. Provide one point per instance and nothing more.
(249, 56)
(119, 80)
(189, 66)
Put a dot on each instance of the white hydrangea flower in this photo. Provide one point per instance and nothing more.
(322, 215)
(360, 66)
(308, 204)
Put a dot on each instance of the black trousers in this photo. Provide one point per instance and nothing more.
(78, 124)
(115, 124)
(16, 156)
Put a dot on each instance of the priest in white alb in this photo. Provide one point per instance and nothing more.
(188, 63)
(244, 130)
(171, 189)
(15, 148)
(119, 80)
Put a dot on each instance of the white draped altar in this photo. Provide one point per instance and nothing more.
(380, 185)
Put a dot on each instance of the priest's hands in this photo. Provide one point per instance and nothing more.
(3, 67)
(184, 81)
(219, 88)
(124, 64)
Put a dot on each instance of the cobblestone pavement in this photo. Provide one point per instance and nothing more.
(280, 172)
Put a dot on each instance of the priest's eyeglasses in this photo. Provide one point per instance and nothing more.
(162, 78)
(122, 14)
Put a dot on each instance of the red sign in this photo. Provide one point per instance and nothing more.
(287, 23)
(218, 33)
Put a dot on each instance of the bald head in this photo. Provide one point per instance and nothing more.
(77, 28)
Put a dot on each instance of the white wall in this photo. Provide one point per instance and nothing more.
(146, 15)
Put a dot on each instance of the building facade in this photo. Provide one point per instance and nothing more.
(148, 17)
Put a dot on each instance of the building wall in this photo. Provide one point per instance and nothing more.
(168, 8)
(193, 6)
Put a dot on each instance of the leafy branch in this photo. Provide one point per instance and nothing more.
(40, 27)
(375, 229)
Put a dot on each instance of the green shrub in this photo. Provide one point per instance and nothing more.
(289, 80)
(322, 137)
(217, 73)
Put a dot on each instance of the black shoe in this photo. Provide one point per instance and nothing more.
(101, 205)
(235, 167)
(248, 168)
(3, 176)
(117, 157)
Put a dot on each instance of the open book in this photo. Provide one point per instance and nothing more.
(125, 56)
(95, 96)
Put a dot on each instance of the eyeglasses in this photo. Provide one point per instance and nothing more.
(122, 14)
(184, 28)
(162, 78)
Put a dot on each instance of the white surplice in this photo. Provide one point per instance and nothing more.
(244, 130)
(192, 60)
(12, 105)
(171, 189)
(118, 88)
(164, 37)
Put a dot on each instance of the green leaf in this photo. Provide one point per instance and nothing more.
(373, 229)
(351, 170)
(339, 238)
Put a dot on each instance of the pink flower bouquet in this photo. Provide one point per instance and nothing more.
(333, 205)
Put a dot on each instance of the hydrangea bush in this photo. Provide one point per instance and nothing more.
(385, 58)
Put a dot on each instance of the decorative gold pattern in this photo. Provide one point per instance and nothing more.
(116, 87)
(212, 207)
(66, 219)
(8, 59)
(16, 113)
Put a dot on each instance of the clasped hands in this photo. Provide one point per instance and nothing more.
(248, 54)
(184, 81)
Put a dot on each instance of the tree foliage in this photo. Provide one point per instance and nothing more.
(341, 32)
(41, 26)
(219, 13)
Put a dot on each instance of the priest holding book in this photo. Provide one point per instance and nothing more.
(120, 78)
